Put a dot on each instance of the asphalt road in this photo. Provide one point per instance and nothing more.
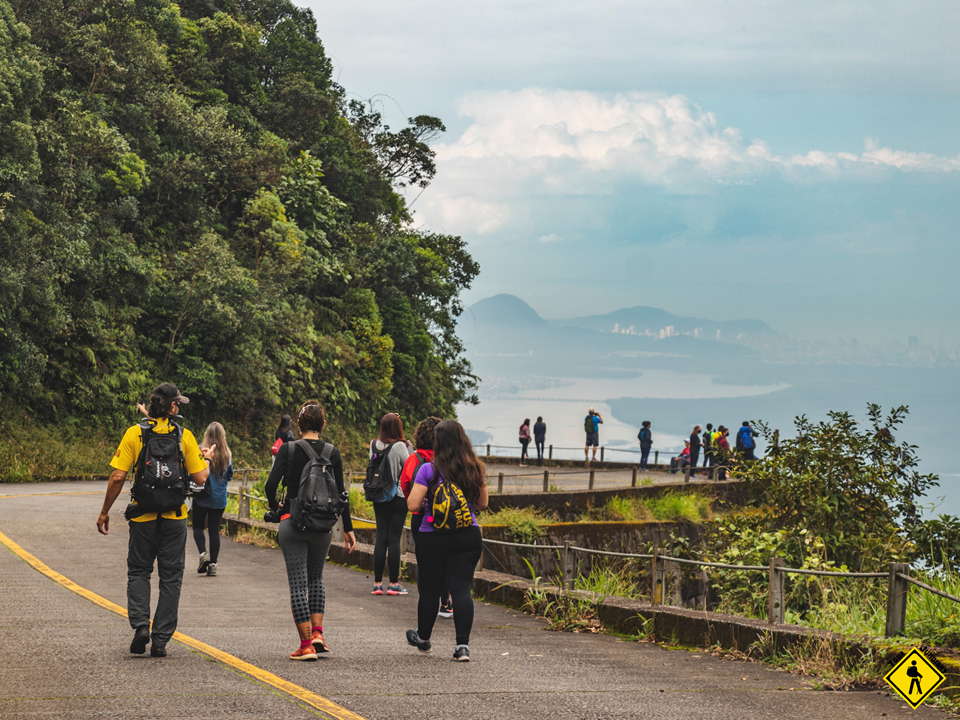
(62, 656)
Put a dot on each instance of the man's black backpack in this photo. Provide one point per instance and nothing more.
(380, 483)
(160, 475)
(318, 503)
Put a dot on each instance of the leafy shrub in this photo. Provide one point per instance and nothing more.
(524, 525)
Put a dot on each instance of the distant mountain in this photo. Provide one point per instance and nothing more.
(651, 321)
(506, 311)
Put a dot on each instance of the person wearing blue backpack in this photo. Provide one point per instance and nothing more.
(745, 442)
(388, 453)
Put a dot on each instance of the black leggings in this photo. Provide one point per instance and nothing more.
(524, 444)
(207, 518)
(391, 516)
(447, 558)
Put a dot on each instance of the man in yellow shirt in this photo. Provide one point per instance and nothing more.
(159, 537)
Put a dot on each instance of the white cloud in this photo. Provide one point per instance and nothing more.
(551, 238)
(645, 135)
(536, 143)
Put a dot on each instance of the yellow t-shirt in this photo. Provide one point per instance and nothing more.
(129, 450)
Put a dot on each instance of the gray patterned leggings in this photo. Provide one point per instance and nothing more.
(305, 554)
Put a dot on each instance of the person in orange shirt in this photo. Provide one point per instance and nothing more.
(158, 514)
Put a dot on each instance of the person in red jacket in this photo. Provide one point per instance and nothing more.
(423, 441)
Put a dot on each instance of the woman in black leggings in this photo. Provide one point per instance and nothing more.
(450, 556)
(211, 501)
(305, 552)
(390, 509)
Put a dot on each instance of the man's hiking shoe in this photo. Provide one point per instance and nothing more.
(140, 640)
(421, 645)
(304, 652)
(157, 651)
(212, 570)
(461, 654)
(397, 589)
(446, 611)
(204, 563)
(377, 589)
(319, 644)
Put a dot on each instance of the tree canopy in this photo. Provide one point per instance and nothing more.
(187, 195)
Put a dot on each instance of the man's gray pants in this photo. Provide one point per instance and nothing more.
(166, 545)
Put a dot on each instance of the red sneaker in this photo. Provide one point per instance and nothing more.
(319, 644)
(304, 652)
(377, 589)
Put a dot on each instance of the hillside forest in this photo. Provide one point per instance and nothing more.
(186, 194)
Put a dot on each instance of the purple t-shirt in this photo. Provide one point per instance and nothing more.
(425, 478)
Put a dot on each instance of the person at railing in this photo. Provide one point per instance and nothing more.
(524, 439)
(390, 508)
(540, 437)
(283, 434)
(708, 448)
(211, 500)
(423, 440)
(305, 552)
(694, 449)
(448, 555)
(591, 425)
(682, 460)
(646, 442)
(722, 452)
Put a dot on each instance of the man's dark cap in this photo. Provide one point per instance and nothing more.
(169, 391)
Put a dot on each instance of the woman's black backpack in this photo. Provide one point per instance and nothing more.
(318, 503)
(160, 475)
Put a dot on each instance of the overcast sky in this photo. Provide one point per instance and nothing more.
(795, 163)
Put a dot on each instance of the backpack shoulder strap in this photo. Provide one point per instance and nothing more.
(308, 448)
(327, 452)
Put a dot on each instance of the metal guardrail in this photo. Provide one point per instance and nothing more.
(665, 571)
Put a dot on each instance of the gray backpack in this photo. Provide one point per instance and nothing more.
(318, 504)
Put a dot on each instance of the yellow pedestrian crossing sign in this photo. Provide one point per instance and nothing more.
(915, 677)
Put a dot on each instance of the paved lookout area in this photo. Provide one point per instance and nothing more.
(63, 656)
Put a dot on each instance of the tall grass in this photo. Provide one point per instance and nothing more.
(689, 507)
(524, 525)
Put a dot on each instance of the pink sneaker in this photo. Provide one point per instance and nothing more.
(377, 589)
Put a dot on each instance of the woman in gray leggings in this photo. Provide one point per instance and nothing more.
(306, 552)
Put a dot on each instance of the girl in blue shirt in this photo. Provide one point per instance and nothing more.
(209, 505)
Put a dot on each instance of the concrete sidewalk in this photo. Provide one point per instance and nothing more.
(64, 657)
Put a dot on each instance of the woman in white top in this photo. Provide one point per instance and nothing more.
(390, 506)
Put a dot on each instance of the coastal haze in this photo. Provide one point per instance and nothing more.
(674, 372)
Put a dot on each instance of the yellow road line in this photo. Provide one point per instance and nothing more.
(302, 694)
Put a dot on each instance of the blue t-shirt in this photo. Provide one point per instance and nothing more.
(425, 478)
(217, 500)
(596, 422)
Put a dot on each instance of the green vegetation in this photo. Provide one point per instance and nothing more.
(524, 525)
(359, 505)
(186, 194)
(688, 507)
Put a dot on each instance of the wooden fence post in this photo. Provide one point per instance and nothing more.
(671, 578)
(633, 480)
(500, 484)
(550, 455)
(897, 599)
(602, 448)
(591, 479)
(656, 458)
(488, 450)
(775, 595)
(567, 569)
(546, 481)
(656, 579)
(686, 474)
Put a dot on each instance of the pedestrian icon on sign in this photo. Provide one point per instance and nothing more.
(915, 678)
